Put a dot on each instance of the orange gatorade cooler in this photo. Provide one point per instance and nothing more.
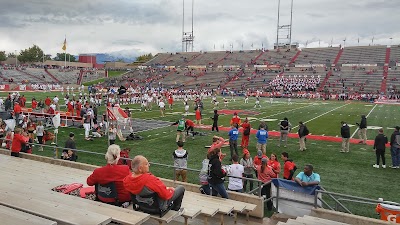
(389, 213)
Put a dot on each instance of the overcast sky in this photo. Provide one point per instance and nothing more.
(144, 26)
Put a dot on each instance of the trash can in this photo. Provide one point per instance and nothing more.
(389, 213)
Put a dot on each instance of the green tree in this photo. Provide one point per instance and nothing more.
(3, 56)
(144, 58)
(61, 57)
(32, 54)
(11, 55)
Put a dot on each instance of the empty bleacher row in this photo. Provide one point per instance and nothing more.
(29, 192)
(364, 55)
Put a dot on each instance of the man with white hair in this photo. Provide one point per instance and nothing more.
(112, 173)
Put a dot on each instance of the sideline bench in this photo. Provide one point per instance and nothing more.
(10, 216)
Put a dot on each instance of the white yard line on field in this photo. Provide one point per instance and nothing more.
(355, 132)
(323, 114)
(285, 111)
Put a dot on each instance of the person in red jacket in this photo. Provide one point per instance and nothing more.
(70, 107)
(112, 173)
(142, 180)
(275, 165)
(17, 142)
(78, 107)
(17, 111)
(289, 167)
(246, 133)
(22, 101)
(34, 104)
(47, 102)
(198, 116)
(189, 127)
(236, 119)
(170, 101)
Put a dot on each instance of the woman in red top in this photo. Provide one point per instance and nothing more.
(17, 142)
(198, 116)
(275, 165)
(112, 173)
(265, 175)
(34, 104)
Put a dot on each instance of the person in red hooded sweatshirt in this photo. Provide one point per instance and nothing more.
(143, 182)
(236, 120)
(18, 141)
(112, 173)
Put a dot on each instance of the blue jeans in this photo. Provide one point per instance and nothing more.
(219, 189)
(395, 153)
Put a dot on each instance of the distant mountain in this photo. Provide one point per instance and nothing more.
(127, 56)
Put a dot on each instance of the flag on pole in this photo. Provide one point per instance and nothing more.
(64, 47)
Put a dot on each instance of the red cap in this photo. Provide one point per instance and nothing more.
(245, 151)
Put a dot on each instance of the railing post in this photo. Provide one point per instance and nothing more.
(277, 199)
(259, 189)
(316, 199)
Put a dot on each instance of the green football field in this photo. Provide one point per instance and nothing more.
(349, 173)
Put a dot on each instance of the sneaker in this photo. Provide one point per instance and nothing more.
(383, 166)
(397, 167)
(342, 151)
(375, 166)
(284, 146)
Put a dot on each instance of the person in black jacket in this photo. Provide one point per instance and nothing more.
(380, 146)
(345, 133)
(215, 121)
(362, 132)
(302, 132)
(216, 174)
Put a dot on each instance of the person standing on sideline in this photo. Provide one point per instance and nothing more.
(247, 162)
(380, 146)
(180, 156)
(362, 132)
(215, 121)
(345, 133)
(257, 102)
(246, 134)
(236, 170)
(262, 137)
(284, 127)
(395, 148)
(112, 134)
(236, 120)
(302, 132)
(233, 136)
(180, 130)
(40, 134)
(161, 104)
(198, 116)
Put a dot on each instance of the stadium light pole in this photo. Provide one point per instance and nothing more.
(16, 62)
(391, 41)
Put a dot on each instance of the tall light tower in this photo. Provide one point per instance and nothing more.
(284, 31)
(187, 37)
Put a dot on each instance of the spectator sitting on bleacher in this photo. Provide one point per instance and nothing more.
(112, 173)
(142, 181)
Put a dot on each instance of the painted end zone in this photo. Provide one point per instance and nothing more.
(294, 135)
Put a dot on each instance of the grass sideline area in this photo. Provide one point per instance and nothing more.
(349, 173)
(101, 80)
